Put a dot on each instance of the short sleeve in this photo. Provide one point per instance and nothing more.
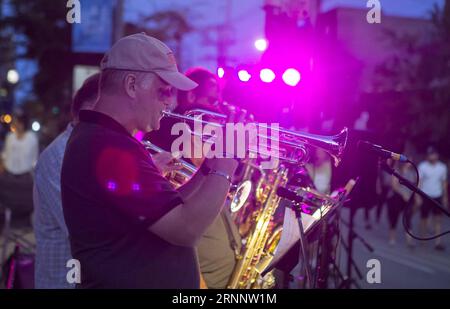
(6, 146)
(132, 183)
(34, 148)
(421, 169)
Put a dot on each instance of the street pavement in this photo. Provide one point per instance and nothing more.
(400, 266)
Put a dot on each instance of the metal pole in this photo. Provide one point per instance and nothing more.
(118, 20)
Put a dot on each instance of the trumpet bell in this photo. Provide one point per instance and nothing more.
(293, 144)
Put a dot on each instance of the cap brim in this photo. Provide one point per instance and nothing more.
(178, 80)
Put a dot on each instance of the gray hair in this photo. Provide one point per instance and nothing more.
(111, 80)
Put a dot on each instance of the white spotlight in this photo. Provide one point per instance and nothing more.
(261, 44)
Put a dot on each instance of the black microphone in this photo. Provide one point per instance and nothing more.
(289, 195)
(299, 204)
(381, 152)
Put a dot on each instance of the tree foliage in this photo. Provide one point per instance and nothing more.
(169, 26)
(414, 86)
(43, 34)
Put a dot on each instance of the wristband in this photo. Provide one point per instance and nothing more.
(221, 174)
(209, 171)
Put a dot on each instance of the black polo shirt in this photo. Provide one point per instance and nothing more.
(111, 193)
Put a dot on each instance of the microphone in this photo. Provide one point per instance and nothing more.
(289, 195)
(307, 208)
(381, 152)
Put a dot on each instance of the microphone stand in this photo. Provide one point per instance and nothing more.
(405, 182)
(349, 280)
(359, 237)
(303, 251)
(351, 264)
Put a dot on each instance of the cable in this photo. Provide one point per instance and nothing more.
(407, 208)
(335, 251)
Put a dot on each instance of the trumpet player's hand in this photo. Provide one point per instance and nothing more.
(235, 114)
(166, 163)
(240, 116)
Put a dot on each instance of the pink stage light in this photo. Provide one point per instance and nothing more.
(244, 76)
(291, 77)
(267, 75)
(220, 72)
(139, 135)
(261, 44)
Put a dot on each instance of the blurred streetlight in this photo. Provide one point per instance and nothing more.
(36, 126)
(12, 76)
(7, 118)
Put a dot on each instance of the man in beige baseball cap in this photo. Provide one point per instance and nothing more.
(128, 226)
(143, 53)
(147, 63)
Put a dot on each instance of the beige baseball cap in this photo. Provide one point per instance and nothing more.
(143, 53)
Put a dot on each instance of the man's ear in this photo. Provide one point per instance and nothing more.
(191, 97)
(130, 85)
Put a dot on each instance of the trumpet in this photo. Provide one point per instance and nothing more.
(180, 176)
(293, 144)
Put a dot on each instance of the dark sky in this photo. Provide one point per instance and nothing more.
(248, 22)
(410, 8)
(247, 19)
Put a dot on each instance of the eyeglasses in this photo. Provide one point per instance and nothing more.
(167, 92)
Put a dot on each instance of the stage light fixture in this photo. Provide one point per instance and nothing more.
(220, 72)
(267, 75)
(244, 76)
(261, 44)
(291, 77)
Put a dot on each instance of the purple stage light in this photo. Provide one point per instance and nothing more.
(220, 72)
(111, 185)
(267, 75)
(291, 77)
(261, 44)
(136, 187)
(244, 76)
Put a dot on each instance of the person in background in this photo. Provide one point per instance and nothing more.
(321, 171)
(397, 200)
(433, 181)
(383, 189)
(19, 155)
(205, 96)
(52, 238)
(21, 148)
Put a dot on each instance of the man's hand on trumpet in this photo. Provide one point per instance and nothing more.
(166, 163)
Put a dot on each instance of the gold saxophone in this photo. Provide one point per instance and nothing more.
(257, 252)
